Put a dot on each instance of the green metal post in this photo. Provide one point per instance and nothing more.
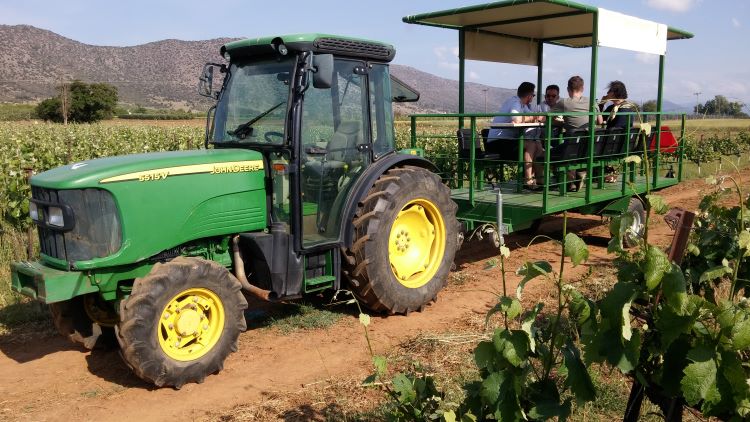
(472, 157)
(413, 131)
(681, 154)
(461, 75)
(592, 95)
(539, 68)
(657, 137)
(547, 152)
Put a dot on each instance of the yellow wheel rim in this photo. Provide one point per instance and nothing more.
(416, 244)
(191, 324)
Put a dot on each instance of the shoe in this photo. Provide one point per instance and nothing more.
(531, 185)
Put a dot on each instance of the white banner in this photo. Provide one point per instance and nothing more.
(626, 32)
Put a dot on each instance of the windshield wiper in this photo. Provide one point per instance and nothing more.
(246, 129)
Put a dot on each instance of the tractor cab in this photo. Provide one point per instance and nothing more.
(319, 108)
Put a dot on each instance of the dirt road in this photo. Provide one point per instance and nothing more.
(43, 377)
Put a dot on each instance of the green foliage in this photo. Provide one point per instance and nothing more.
(691, 334)
(719, 105)
(86, 103)
(649, 106)
(16, 112)
(33, 148)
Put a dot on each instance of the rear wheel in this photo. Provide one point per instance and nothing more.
(406, 236)
(181, 321)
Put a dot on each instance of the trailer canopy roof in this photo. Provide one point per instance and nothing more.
(520, 26)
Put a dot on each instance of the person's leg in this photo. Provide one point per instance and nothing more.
(532, 150)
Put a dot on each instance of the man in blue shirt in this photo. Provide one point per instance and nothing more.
(506, 138)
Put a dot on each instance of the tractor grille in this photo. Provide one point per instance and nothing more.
(96, 233)
(356, 48)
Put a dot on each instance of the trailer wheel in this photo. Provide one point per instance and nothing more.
(181, 321)
(85, 320)
(406, 236)
(635, 232)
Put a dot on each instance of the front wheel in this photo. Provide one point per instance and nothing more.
(406, 237)
(181, 321)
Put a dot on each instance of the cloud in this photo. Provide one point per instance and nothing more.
(474, 76)
(672, 5)
(736, 23)
(646, 58)
(447, 57)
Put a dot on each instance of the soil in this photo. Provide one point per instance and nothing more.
(44, 377)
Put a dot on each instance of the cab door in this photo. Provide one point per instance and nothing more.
(335, 149)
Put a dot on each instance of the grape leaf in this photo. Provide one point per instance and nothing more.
(511, 307)
(578, 378)
(575, 249)
(657, 204)
(528, 325)
(657, 264)
(490, 391)
(484, 355)
(700, 376)
(380, 364)
(529, 271)
(513, 345)
(404, 387)
(714, 273)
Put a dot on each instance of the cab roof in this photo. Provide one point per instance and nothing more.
(315, 42)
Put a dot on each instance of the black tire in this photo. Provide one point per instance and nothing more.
(368, 264)
(74, 323)
(140, 331)
(634, 236)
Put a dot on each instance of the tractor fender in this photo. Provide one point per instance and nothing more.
(365, 182)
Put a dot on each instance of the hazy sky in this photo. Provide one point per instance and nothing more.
(716, 61)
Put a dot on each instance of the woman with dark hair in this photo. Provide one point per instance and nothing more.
(617, 95)
(616, 115)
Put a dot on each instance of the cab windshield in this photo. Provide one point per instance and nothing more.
(252, 108)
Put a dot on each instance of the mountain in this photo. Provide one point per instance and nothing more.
(164, 74)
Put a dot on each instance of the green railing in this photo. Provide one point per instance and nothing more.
(438, 135)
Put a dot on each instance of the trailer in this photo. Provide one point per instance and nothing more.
(488, 187)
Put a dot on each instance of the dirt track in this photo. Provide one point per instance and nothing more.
(44, 377)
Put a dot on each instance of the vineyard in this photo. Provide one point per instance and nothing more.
(662, 298)
(29, 148)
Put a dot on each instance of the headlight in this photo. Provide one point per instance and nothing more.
(55, 217)
(33, 211)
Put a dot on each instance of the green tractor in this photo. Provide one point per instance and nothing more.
(302, 191)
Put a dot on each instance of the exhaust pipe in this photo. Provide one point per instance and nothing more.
(239, 272)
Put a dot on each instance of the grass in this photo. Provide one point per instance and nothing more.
(15, 310)
(302, 316)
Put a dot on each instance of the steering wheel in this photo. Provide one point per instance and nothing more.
(269, 135)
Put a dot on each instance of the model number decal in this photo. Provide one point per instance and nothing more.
(149, 177)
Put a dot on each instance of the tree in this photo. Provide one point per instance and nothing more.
(649, 106)
(721, 106)
(88, 103)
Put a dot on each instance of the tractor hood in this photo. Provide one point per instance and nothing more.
(122, 210)
(148, 167)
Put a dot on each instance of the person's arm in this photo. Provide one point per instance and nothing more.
(558, 107)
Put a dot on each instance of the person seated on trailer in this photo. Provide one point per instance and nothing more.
(551, 97)
(617, 95)
(575, 103)
(498, 138)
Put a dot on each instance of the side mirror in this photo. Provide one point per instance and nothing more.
(323, 74)
(206, 80)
